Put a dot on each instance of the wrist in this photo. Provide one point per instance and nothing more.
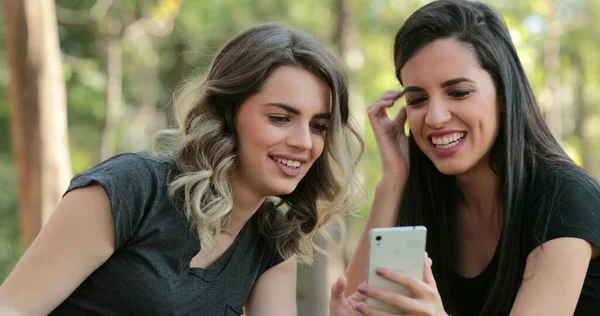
(391, 185)
(386, 200)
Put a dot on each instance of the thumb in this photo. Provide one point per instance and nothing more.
(400, 120)
(428, 273)
(337, 291)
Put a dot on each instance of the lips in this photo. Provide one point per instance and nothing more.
(288, 162)
(448, 140)
(448, 145)
(290, 168)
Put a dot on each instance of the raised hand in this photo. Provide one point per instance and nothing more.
(392, 142)
(339, 305)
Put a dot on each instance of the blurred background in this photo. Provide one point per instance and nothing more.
(83, 80)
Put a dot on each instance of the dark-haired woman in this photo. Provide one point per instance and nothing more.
(513, 224)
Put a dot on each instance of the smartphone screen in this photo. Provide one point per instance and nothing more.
(396, 248)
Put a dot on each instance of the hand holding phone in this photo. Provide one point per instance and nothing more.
(397, 248)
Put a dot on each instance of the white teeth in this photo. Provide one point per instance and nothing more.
(289, 163)
(446, 146)
(447, 141)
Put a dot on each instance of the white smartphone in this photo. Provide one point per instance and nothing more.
(396, 248)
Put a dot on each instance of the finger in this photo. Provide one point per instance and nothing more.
(337, 291)
(386, 100)
(367, 310)
(358, 296)
(410, 282)
(400, 120)
(379, 106)
(428, 273)
(408, 304)
(392, 94)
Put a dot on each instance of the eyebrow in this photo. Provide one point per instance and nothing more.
(293, 110)
(443, 85)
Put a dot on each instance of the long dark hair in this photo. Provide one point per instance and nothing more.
(524, 152)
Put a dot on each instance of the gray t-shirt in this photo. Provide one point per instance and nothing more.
(149, 273)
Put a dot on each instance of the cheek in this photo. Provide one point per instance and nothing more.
(491, 121)
(249, 146)
(244, 151)
(318, 146)
(415, 121)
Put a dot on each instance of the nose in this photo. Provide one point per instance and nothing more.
(301, 138)
(437, 113)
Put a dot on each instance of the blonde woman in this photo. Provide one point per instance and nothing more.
(215, 227)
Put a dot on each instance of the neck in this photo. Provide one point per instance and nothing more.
(245, 204)
(479, 189)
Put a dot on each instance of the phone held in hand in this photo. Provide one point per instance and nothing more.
(395, 248)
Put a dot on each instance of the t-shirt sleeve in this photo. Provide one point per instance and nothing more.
(272, 259)
(577, 214)
(128, 182)
(276, 259)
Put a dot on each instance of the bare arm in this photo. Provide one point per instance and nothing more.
(274, 294)
(554, 277)
(392, 145)
(383, 214)
(77, 239)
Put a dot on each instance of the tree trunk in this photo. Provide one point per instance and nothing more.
(346, 41)
(342, 37)
(552, 61)
(114, 82)
(176, 76)
(38, 111)
(317, 287)
(327, 269)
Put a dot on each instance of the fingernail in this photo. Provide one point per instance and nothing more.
(380, 271)
(362, 289)
(429, 261)
(360, 307)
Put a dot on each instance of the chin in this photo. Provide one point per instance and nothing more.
(283, 189)
(450, 169)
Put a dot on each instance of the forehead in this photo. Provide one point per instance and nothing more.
(297, 87)
(438, 61)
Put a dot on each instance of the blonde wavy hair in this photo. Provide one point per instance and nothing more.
(207, 153)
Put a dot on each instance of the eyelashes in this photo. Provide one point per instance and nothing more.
(455, 94)
(279, 119)
(416, 101)
(459, 93)
(317, 128)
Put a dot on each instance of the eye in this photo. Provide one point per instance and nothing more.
(459, 93)
(416, 101)
(279, 119)
(318, 128)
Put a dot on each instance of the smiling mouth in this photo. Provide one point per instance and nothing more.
(288, 163)
(448, 141)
